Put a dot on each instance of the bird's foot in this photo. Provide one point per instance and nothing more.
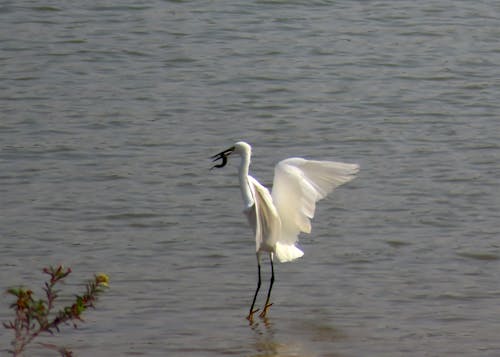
(264, 311)
(250, 315)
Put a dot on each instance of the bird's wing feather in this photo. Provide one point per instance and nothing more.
(298, 185)
(263, 216)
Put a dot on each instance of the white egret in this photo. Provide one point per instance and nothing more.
(277, 218)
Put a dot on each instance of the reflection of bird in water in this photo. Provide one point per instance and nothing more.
(265, 342)
(277, 218)
(302, 337)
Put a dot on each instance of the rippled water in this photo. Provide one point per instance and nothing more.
(109, 112)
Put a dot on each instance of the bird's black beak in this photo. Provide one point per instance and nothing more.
(222, 156)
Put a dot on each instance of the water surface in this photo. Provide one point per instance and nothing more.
(109, 112)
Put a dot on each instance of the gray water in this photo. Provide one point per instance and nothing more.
(110, 110)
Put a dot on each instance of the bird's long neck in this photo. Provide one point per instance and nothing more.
(246, 191)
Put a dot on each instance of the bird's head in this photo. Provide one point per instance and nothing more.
(241, 148)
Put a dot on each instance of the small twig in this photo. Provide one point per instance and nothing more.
(32, 317)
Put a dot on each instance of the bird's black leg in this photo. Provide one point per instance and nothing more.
(252, 311)
(268, 305)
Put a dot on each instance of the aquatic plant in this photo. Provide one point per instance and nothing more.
(35, 316)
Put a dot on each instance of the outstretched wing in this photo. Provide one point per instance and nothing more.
(298, 185)
(263, 217)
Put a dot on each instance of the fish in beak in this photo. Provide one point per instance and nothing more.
(222, 156)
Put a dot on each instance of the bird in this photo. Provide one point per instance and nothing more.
(278, 217)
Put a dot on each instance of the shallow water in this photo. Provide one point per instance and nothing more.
(108, 114)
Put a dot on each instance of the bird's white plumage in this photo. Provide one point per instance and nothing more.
(298, 185)
(263, 217)
(278, 218)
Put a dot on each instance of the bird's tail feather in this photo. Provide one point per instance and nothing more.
(287, 252)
